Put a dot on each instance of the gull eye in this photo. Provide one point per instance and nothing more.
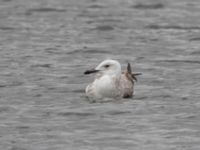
(106, 66)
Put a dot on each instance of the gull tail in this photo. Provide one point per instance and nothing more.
(130, 74)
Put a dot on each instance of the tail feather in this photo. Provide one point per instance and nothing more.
(133, 75)
(129, 68)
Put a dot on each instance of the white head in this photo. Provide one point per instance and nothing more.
(109, 67)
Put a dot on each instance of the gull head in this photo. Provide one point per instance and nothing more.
(107, 67)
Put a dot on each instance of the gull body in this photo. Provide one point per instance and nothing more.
(110, 81)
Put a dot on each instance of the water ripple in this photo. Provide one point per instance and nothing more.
(148, 6)
(181, 61)
(173, 27)
(7, 28)
(104, 28)
(89, 51)
(96, 6)
(42, 65)
(46, 10)
(116, 112)
(12, 84)
(43, 10)
(195, 39)
(76, 114)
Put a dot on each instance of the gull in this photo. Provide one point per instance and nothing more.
(110, 81)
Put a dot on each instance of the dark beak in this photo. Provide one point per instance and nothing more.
(91, 71)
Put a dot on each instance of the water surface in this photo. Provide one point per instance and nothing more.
(45, 46)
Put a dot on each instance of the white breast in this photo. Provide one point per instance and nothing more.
(104, 86)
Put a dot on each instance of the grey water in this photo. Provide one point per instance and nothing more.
(46, 45)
